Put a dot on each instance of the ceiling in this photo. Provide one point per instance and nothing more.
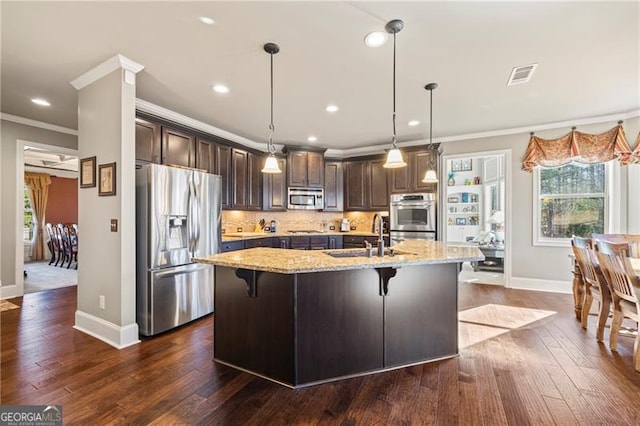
(588, 55)
(45, 159)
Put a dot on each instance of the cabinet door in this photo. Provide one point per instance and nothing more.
(318, 243)
(254, 181)
(333, 186)
(297, 169)
(147, 141)
(223, 168)
(275, 189)
(206, 155)
(335, 242)
(178, 148)
(378, 192)
(315, 170)
(239, 172)
(299, 243)
(420, 163)
(399, 179)
(355, 173)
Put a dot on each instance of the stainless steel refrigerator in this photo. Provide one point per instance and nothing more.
(177, 218)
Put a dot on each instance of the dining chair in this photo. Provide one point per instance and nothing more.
(625, 288)
(595, 285)
(53, 244)
(632, 239)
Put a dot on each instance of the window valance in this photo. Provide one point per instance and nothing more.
(578, 147)
(37, 180)
(636, 151)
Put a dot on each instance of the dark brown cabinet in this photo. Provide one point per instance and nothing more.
(254, 181)
(178, 147)
(333, 186)
(147, 141)
(223, 168)
(247, 180)
(409, 179)
(259, 242)
(357, 241)
(206, 155)
(305, 169)
(365, 185)
(232, 246)
(275, 188)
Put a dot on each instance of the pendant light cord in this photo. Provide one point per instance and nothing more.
(271, 126)
(394, 90)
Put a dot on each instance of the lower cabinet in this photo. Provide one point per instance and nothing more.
(232, 246)
(356, 241)
(259, 242)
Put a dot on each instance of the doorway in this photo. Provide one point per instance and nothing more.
(476, 207)
(61, 164)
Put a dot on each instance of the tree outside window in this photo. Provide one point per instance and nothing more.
(572, 201)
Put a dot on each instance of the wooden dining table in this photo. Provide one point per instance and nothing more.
(635, 263)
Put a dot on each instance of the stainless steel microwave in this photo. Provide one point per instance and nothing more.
(305, 199)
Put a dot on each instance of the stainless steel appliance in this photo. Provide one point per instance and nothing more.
(413, 216)
(306, 199)
(177, 218)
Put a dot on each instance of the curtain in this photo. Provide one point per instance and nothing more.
(636, 151)
(579, 147)
(38, 184)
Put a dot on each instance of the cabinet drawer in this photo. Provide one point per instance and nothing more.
(258, 242)
(318, 243)
(299, 243)
(231, 246)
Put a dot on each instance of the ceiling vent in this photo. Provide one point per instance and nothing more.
(521, 74)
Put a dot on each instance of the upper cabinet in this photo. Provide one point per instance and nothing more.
(224, 169)
(247, 180)
(409, 179)
(147, 141)
(206, 155)
(365, 185)
(305, 169)
(333, 186)
(178, 147)
(275, 188)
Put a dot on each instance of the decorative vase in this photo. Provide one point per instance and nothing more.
(451, 181)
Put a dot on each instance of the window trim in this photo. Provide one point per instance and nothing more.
(612, 209)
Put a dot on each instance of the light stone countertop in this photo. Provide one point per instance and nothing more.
(287, 261)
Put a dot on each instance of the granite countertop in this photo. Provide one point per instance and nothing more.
(287, 261)
(236, 236)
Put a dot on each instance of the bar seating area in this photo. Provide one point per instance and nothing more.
(63, 244)
(608, 270)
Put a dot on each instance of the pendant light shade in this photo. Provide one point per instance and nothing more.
(394, 156)
(271, 163)
(430, 176)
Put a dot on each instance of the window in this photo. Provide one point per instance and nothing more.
(29, 221)
(571, 200)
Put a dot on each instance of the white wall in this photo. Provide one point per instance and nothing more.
(10, 133)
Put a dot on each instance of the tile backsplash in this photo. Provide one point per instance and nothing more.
(294, 220)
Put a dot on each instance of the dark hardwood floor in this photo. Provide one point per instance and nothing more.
(547, 372)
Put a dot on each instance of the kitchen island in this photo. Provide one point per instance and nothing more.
(306, 317)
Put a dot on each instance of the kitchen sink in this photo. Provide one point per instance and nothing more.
(363, 253)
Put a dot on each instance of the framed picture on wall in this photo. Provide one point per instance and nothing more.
(88, 172)
(462, 165)
(107, 179)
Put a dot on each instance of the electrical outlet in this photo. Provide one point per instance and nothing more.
(239, 229)
(353, 228)
(332, 228)
(101, 302)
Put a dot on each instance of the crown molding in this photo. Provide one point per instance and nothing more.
(105, 68)
(39, 124)
(167, 114)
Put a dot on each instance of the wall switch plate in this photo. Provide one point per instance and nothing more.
(353, 228)
(114, 225)
(101, 301)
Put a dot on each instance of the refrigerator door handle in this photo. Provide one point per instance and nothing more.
(182, 270)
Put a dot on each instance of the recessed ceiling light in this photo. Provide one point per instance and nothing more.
(40, 101)
(312, 138)
(220, 88)
(206, 20)
(331, 108)
(413, 123)
(375, 39)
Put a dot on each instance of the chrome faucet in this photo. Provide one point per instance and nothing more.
(380, 238)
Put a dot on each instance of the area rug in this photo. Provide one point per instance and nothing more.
(42, 276)
(5, 305)
(491, 320)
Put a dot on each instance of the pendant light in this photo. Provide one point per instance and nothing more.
(394, 156)
(271, 163)
(430, 176)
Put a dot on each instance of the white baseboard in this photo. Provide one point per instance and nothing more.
(116, 336)
(537, 284)
(9, 291)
